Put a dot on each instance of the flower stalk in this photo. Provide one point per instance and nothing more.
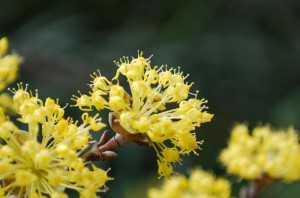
(255, 186)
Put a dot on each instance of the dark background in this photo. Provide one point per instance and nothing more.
(242, 55)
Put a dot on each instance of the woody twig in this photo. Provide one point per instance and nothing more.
(104, 148)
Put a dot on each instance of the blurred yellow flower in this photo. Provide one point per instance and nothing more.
(3, 45)
(9, 65)
(264, 151)
(44, 159)
(157, 107)
(6, 103)
(198, 184)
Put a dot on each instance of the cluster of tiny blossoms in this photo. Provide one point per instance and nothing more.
(199, 184)
(157, 107)
(43, 158)
(9, 66)
(265, 151)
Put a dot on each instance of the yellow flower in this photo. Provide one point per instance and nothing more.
(9, 66)
(158, 106)
(198, 184)
(265, 151)
(3, 45)
(6, 103)
(44, 159)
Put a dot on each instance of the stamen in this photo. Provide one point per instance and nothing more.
(196, 95)
(186, 76)
(13, 90)
(74, 96)
(20, 85)
(26, 87)
(36, 93)
(203, 107)
(117, 63)
(99, 73)
(67, 104)
(160, 68)
(93, 75)
(148, 59)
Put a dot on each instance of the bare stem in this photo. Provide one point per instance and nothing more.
(254, 187)
(103, 149)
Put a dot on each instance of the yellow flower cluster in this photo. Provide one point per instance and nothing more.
(199, 184)
(265, 151)
(44, 159)
(157, 107)
(9, 66)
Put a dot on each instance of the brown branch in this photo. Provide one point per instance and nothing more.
(255, 186)
(104, 148)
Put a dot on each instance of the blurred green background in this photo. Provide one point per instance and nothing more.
(244, 57)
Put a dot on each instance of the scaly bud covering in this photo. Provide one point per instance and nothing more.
(264, 151)
(157, 107)
(199, 184)
(43, 158)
